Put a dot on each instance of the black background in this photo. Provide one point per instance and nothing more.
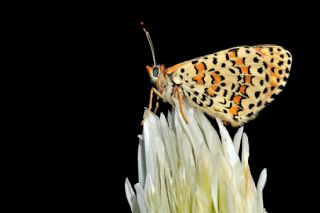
(106, 87)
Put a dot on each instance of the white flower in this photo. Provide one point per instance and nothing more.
(189, 168)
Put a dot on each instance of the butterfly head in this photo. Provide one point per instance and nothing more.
(155, 72)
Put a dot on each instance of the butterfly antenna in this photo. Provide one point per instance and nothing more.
(150, 43)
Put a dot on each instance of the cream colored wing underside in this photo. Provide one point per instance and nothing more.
(235, 84)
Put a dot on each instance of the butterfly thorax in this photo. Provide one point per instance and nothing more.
(166, 86)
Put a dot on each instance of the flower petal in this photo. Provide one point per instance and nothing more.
(190, 168)
(237, 139)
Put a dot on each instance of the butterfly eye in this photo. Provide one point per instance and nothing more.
(155, 71)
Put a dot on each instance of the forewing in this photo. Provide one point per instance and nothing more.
(235, 84)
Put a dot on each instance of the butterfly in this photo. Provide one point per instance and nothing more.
(233, 84)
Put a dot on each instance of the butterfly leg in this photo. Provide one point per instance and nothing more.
(159, 86)
(153, 90)
(178, 91)
(157, 105)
